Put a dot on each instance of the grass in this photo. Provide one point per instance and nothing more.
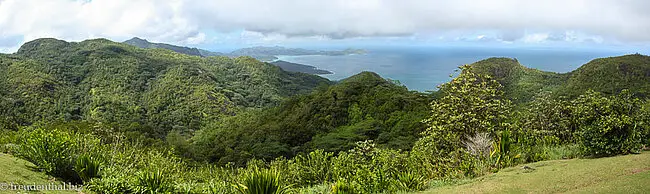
(621, 174)
(20, 172)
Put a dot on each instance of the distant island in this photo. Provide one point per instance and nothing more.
(143, 43)
(262, 53)
(295, 67)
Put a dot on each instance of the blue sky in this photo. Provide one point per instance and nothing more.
(223, 25)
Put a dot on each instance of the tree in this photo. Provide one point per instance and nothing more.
(471, 103)
(609, 125)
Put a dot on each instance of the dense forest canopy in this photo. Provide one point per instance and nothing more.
(607, 75)
(113, 83)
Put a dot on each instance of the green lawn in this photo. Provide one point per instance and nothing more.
(20, 172)
(621, 174)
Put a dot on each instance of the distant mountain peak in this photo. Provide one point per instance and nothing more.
(143, 43)
(137, 39)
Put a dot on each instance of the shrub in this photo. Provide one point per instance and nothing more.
(341, 187)
(411, 181)
(609, 125)
(153, 182)
(501, 153)
(479, 145)
(51, 151)
(313, 168)
(87, 167)
(261, 181)
(7, 140)
(109, 185)
(218, 187)
(471, 103)
(561, 152)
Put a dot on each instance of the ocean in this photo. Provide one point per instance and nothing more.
(424, 68)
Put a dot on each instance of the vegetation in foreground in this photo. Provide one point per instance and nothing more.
(620, 174)
(20, 172)
(452, 147)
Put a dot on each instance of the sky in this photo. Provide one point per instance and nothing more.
(221, 25)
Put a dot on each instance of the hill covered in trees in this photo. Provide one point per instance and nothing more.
(262, 53)
(153, 90)
(362, 107)
(607, 75)
(295, 67)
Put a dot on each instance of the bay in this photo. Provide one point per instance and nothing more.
(423, 69)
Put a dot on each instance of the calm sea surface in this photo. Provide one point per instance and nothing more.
(423, 69)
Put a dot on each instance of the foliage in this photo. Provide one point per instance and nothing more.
(471, 103)
(153, 182)
(411, 181)
(520, 83)
(550, 116)
(87, 167)
(479, 145)
(362, 107)
(501, 152)
(611, 76)
(341, 187)
(609, 125)
(313, 168)
(151, 91)
(51, 151)
(261, 181)
(606, 75)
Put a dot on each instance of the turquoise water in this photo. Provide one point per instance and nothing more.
(424, 69)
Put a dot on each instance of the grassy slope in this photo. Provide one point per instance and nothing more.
(621, 174)
(20, 172)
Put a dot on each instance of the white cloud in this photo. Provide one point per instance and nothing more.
(535, 38)
(186, 21)
(78, 20)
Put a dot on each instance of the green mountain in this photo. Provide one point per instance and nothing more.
(520, 83)
(260, 53)
(606, 75)
(150, 90)
(295, 67)
(362, 107)
(265, 53)
(611, 75)
(142, 43)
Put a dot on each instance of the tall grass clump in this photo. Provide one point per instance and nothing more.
(261, 181)
(52, 151)
(341, 187)
(151, 182)
(87, 167)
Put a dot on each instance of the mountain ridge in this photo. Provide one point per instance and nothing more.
(262, 53)
(158, 88)
(522, 83)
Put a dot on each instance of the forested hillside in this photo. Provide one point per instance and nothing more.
(607, 75)
(362, 107)
(611, 75)
(147, 90)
